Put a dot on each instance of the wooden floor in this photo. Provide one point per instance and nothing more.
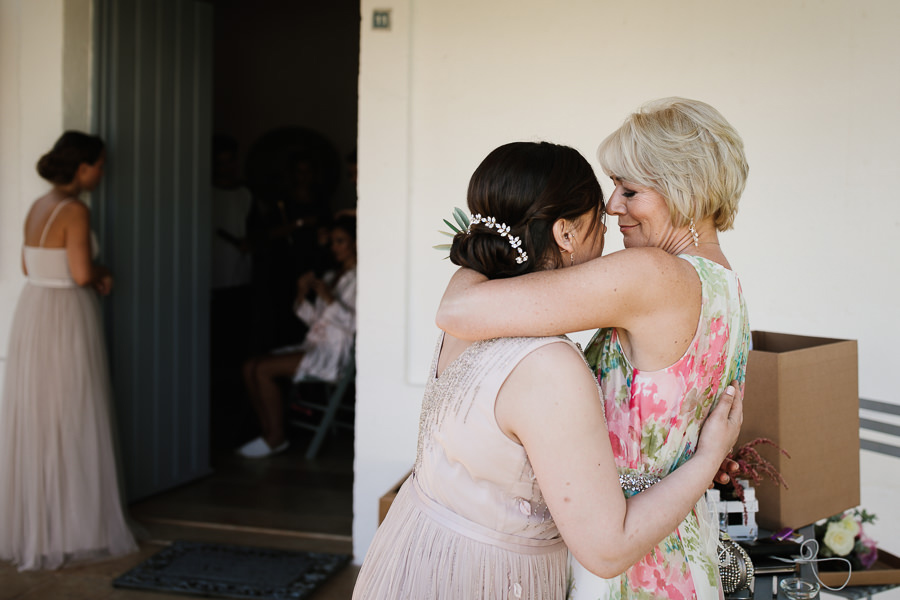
(283, 502)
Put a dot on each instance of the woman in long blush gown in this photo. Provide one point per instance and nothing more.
(59, 494)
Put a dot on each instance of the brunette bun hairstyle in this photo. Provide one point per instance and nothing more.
(528, 186)
(73, 148)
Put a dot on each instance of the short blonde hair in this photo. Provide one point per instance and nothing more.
(686, 151)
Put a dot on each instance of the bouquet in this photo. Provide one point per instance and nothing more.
(842, 536)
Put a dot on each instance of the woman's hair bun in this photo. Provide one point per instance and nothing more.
(487, 252)
(71, 150)
(527, 187)
(51, 168)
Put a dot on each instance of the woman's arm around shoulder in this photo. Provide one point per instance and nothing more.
(550, 404)
(612, 290)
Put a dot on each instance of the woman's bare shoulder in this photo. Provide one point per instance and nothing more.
(66, 214)
(74, 208)
(549, 389)
(556, 363)
(641, 278)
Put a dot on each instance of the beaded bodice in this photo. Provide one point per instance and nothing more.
(464, 460)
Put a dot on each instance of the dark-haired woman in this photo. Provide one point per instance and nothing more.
(331, 317)
(514, 462)
(59, 494)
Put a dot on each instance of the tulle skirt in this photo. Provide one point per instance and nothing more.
(423, 551)
(59, 493)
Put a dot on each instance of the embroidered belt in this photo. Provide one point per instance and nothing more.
(475, 531)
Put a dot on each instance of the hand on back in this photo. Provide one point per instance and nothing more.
(722, 427)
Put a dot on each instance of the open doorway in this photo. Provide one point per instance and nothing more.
(285, 90)
(284, 85)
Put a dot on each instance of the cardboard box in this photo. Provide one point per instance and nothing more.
(384, 503)
(885, 571)
(803, 393)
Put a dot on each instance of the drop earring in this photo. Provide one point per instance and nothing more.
(694, 235)
(572, 253)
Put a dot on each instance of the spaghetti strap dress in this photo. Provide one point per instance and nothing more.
(470, 522)
(654, 420)
(59, 493)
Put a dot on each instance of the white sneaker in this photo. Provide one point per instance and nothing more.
(258, 448)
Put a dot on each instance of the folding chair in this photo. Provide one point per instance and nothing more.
(333, 404)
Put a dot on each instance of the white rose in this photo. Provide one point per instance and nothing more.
(838, 539)
(850, 525)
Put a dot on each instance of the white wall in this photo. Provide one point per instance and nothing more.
(387, 406)
(31, 113)
(78, 65)
(812, 87)
(45, 70)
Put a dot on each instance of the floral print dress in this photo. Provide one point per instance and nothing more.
(654, 420)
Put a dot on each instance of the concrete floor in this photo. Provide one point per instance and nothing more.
(284, 502)
(94, 582)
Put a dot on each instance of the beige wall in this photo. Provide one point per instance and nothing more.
(811, 86)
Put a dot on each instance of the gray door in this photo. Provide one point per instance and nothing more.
(154, 65)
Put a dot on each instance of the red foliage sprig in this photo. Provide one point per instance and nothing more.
(753, 466)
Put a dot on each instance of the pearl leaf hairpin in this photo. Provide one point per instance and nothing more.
(504, 231)
(465, 223)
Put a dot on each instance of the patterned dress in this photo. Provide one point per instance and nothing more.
(470, 523)
(654, 420)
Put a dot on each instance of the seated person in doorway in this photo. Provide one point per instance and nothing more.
(328, 307)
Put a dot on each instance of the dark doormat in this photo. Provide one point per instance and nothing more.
(226, 571)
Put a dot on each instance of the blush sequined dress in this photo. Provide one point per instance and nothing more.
(470, 522)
